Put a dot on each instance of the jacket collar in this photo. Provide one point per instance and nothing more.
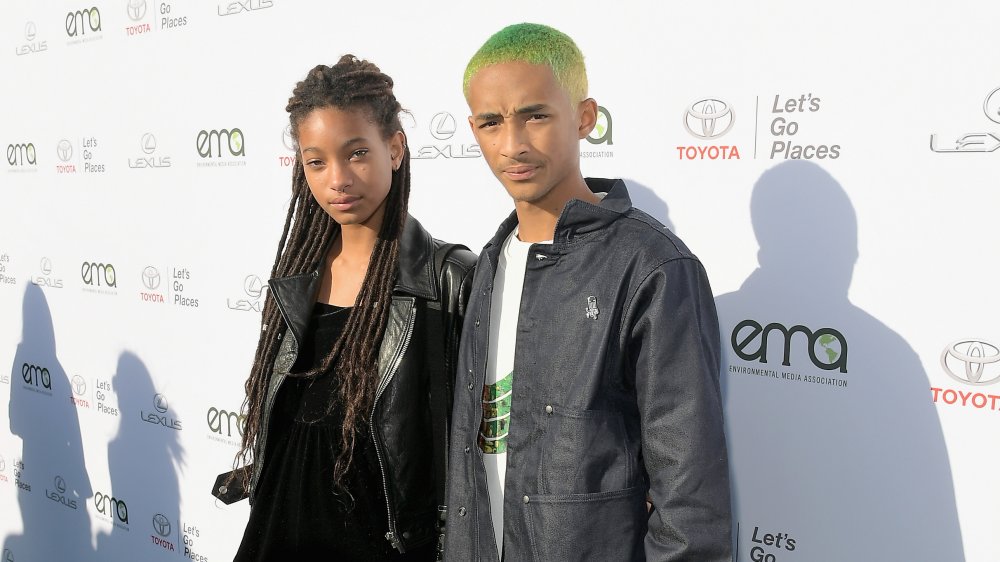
(295, 295)
(578, 218)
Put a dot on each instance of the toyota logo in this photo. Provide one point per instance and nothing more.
(136, 9)
(161, 525)
(46, 265)
(443, 126)
(79, 385)
(148, 143)
(286, 138)
(253, 286)
(160, 403)
(65, 150)
(30, 30)
(60, 484)
(971, 357)
(3, 464)
(992, 106)
(709, 118)
(151, 278)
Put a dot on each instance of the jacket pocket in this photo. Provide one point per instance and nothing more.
(585, 451)
(604, 527)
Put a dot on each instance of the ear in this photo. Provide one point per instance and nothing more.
(397, 146)
(586, 113)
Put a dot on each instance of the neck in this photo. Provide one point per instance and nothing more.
(356, 242)
(537, 219)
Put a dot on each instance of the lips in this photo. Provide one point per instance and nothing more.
(520, 172)
(344, 202)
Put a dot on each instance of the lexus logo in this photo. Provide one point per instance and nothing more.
(30, 30)
(148, 143)
(253, 286)
(79, 385)
(443, 126)
(64, 150)
(136, 9)
(161, 525)
(992, 106)
(966, 361)
(46, 266)
(160, 403)
(151, 278)
(709, 118)
(60, 485)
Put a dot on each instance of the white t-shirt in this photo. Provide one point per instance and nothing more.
(504, 312)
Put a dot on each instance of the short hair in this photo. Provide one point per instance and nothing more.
(534, 44)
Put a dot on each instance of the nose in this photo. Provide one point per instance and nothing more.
(513, 139)
(339, 177)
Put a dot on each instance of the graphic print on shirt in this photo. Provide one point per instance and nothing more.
(496, 416)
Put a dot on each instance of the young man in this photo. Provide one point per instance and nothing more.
(588, 369)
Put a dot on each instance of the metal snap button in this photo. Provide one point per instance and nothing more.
(526, 499)
(461, 511)
(548, 409)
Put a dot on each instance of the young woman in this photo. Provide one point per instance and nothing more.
(346, 411)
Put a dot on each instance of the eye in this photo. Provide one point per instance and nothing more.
(314, 163)
(359, 153)
(488, 124)
(538, 117)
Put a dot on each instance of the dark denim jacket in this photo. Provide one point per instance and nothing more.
(615, 396)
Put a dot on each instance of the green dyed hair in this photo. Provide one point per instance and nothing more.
(534, 44)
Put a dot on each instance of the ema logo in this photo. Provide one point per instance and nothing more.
(78, 22)
(21, 154)
(975, 142)
(36, 377)
(32, 46)
(111, 507)
(210, 145)
(98, 275)
(709, 119)
(222, 422)
(967, 360)
(829, 343)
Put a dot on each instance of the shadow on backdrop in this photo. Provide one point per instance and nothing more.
(855, 472)
(647, 200)
(53, 485)
(144, 460)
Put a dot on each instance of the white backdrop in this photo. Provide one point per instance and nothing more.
(132, 252)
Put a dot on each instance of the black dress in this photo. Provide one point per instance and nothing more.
(298, 513)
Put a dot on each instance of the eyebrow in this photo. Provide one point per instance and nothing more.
(534, 108)
(346, 144)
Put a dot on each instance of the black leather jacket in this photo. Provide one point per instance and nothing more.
(401, 419)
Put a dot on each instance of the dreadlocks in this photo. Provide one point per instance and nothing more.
(356, 85)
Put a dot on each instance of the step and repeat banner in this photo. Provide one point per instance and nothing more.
(834, 167)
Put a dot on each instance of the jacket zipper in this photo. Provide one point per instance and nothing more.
(390, 536)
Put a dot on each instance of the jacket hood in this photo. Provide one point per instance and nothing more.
(296, 294)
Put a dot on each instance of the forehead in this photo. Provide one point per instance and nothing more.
(505, 86)
(335, 124)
